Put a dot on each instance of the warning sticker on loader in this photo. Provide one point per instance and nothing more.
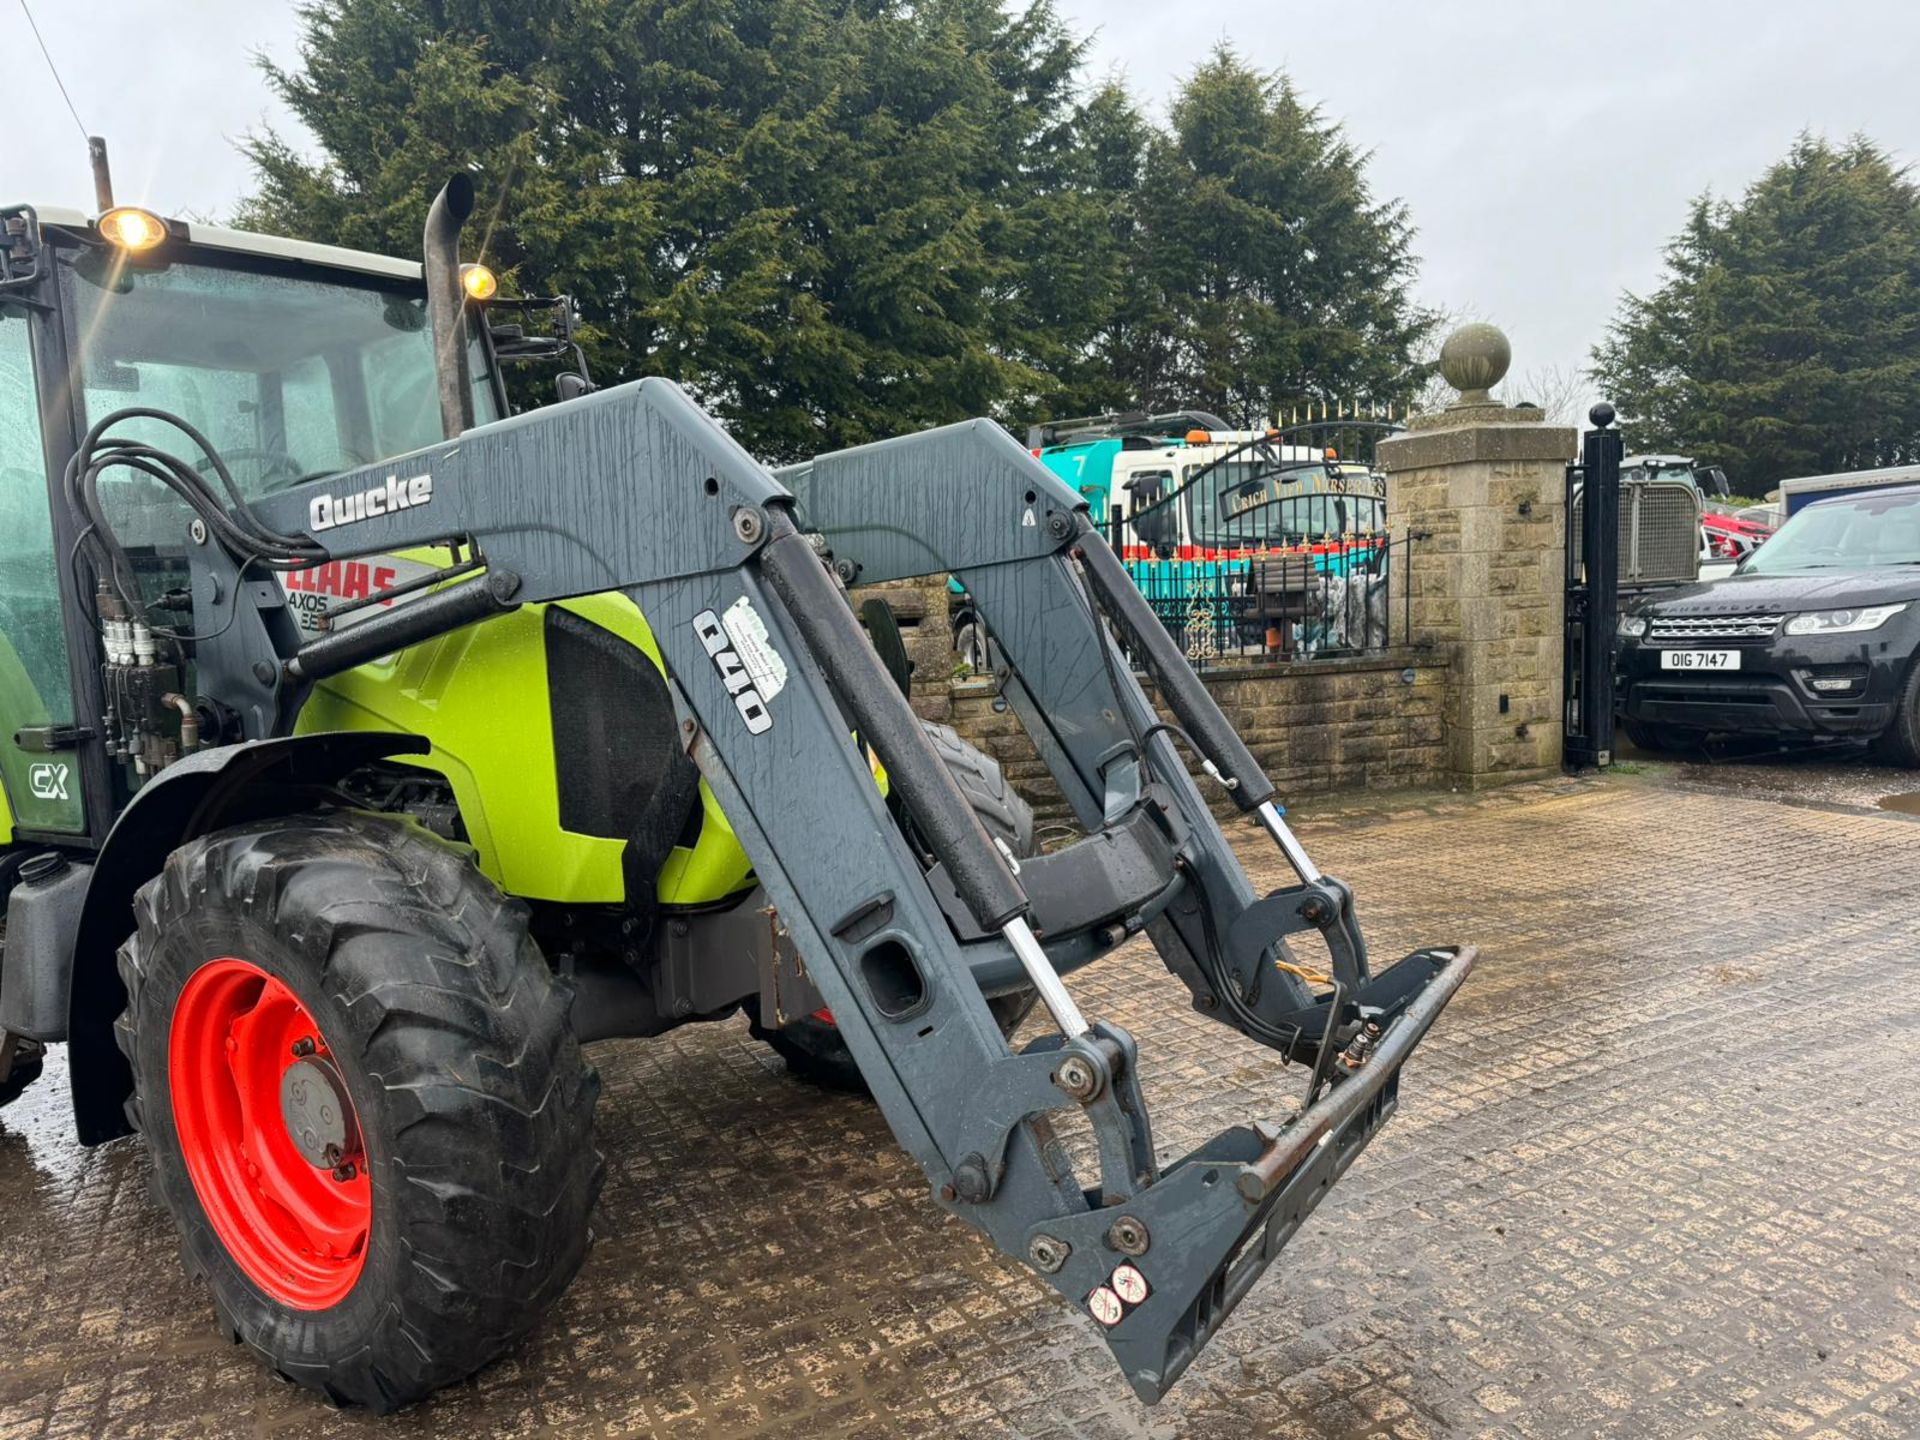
(1125, 1291)
(749, 635)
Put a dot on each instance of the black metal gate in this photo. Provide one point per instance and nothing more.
(1593, 598)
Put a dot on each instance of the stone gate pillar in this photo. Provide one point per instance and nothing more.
(1485, 482)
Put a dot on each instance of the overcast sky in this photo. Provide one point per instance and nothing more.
(1545, 150)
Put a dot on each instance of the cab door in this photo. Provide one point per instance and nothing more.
(39, 769)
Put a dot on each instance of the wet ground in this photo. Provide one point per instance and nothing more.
(1840, 774)
(1656, 1173)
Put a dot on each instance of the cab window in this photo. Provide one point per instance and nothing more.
(289, 376)
(1156, 518)
(35, 687)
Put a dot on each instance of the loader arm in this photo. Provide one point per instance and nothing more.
(636, 489)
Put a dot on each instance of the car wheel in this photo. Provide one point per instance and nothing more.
(1899, 743)
(1660, 739)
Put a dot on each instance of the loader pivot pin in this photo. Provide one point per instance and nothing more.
(1128, 1236)
(1078, 1078)
(1046, 980)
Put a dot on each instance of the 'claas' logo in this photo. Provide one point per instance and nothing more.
(343, 580)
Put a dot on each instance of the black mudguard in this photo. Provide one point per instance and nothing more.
(202, 792)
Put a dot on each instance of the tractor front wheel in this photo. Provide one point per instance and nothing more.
(364, 1105)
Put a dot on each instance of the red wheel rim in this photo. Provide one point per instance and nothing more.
(299, 1233)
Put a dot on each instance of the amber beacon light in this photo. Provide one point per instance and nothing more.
(132, 228)
(480, 283)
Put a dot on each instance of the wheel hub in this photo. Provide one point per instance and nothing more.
(268, 1135)
(318, 1114)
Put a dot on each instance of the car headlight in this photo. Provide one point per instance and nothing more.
(1843, 622)
(1631, 627)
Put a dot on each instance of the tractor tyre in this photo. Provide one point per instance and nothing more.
(29, 1057)
(811, 1044)
(365, 1107)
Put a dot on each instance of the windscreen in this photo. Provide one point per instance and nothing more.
(289, 376)
(1253, 502)
(1864, 533)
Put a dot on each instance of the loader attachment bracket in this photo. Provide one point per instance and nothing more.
(1219, 1217)
(1098, 1071)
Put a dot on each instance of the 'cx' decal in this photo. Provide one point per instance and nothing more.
(48, 780)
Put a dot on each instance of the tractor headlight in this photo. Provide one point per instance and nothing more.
(132, 228)
(1631, 627)
(1843, 622)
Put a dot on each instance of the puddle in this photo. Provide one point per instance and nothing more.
(1908, 804)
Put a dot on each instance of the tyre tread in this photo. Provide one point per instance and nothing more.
(463, 1030)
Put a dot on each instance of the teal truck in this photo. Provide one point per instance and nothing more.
(1230, 521)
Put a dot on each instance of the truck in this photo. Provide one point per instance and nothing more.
(1200, 512)
(1798, 493)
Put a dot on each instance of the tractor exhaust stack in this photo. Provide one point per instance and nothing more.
(446, 304)
(102, 176)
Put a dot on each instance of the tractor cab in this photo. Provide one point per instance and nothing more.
(293, 360)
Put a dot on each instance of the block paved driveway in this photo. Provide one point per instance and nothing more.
(1656, 1172)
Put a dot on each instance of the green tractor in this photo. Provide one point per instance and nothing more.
(369, 749)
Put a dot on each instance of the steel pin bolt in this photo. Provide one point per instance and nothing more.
(344, 1171)
(1076, 1077)
(1129, 1236)
(971, 1182)
(305, 1045)
(1048, 1254)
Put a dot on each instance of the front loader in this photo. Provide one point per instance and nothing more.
(326, 895)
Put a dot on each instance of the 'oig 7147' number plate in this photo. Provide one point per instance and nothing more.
(1699, 659)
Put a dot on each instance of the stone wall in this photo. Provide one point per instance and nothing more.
(1375, 721)
(1487, 579)
(1474, 699)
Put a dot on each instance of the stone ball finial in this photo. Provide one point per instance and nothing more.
(1473, 360)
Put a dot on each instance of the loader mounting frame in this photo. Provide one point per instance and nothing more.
(636, 489)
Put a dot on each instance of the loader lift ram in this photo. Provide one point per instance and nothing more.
(905, 931)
